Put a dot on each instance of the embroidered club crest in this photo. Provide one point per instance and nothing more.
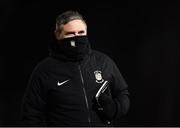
(98, 77)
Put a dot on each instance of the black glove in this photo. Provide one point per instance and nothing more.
(108, 105)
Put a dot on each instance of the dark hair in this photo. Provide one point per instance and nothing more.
(66, 17)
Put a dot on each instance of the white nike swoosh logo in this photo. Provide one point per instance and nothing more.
(59, 84)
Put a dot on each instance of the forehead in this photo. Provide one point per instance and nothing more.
(75, 25)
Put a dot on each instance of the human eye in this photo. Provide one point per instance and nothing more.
(69, 33)
(81, 32)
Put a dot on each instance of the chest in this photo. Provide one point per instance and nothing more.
(70, 83)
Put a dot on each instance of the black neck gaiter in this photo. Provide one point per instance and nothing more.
(73, 48)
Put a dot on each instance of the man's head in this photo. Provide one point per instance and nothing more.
(70, 24)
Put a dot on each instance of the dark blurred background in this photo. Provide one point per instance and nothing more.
(142, 37)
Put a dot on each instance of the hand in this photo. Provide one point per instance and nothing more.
(107, 106)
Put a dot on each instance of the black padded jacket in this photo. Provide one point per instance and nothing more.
(60, 93)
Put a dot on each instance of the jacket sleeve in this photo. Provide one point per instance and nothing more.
(33, 103)
(119, 89)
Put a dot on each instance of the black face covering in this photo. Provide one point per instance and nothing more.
(73, 48)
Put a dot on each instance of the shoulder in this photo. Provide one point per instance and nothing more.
(43, 66)
(101, 56)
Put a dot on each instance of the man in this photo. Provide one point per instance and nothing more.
(63, 87)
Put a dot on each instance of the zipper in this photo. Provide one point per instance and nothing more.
(85, 95)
